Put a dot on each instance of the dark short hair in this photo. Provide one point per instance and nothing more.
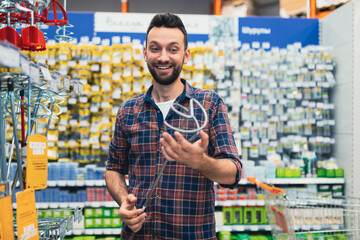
(168, 20)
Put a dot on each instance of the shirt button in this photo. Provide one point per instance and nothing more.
(161, 131)
(156, 217)
(158, 111)
(157, 195)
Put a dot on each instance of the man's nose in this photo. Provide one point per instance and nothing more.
(163, 57)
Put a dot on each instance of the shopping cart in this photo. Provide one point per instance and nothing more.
(306, 216)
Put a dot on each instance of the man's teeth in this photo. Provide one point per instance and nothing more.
(163, 67)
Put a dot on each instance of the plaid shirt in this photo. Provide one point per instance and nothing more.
(182, 205)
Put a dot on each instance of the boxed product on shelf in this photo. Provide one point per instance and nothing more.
(101, 218)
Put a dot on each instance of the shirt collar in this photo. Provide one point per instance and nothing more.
(189, 92)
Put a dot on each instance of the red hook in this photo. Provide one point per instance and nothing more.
(55, 21)
(9, 34)
(32, 39)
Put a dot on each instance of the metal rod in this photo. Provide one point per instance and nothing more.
(23, 136)
(196, 131)
(2, 140)
(33, 115)
(29, 112)
(17, 149)
(11, 149)
(155, 184)
(8, 19)
(48, 124)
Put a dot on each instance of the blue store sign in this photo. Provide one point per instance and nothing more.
(278, 32)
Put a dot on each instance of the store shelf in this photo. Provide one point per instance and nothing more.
(305, 181)
(242, 228)
(94, 231)
(280, 181)
(57, 205)
(76, 183)
(113, 204)
(240, 203)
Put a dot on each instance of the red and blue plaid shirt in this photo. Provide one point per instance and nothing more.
(182, 205)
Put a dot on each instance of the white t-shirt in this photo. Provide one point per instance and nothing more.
(165, 107)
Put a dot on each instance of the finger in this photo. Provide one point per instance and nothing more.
(130, 202)
(131, 198)
(129, 214)
(168, 138)
(136, 224)
(185, 144)
(166, 155)
(171, 146)
(171, 150)
(137, 227)
(136, 220)
(204, 139)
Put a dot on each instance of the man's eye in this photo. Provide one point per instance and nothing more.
(173, 50)
(153, 48)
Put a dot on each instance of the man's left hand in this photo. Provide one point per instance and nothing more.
(182, 151)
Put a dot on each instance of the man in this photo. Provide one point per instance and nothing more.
(182, 205)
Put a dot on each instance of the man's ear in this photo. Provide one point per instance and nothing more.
(144, 53)
(187, 56)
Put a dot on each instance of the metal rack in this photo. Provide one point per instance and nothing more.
(29, 92)
(57, 228)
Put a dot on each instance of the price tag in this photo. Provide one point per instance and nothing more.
(75, 87)
(105, 69)
(81, 88)
(254, 228)
(46, 72)
(34, 73)
(72, 63)
(9, 55)
(57, 77)
(84, 123)
(94, 109)
(95, 67)
(24, 62)
(105, 58)
(83, 99)
(62, 230)
(105, 104)
(64, 109)
(6, 219)
(73, 122)
(27, 224)
(53, 86)
(84, 142)
(72, 143)
(51, 62)
(63, 57)
(80, 215)
(36, 170)
(83, 62)
(66, 83)
(61, 143)
(70, 223)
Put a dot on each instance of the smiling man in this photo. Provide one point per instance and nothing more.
(182, 206)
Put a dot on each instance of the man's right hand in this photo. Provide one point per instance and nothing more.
(130, 215)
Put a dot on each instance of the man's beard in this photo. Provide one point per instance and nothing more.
(165, 80)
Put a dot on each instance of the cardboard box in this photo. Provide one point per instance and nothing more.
(293, 7)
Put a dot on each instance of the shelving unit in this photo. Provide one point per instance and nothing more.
(345, 41)
(103, 231)
(243, 228)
